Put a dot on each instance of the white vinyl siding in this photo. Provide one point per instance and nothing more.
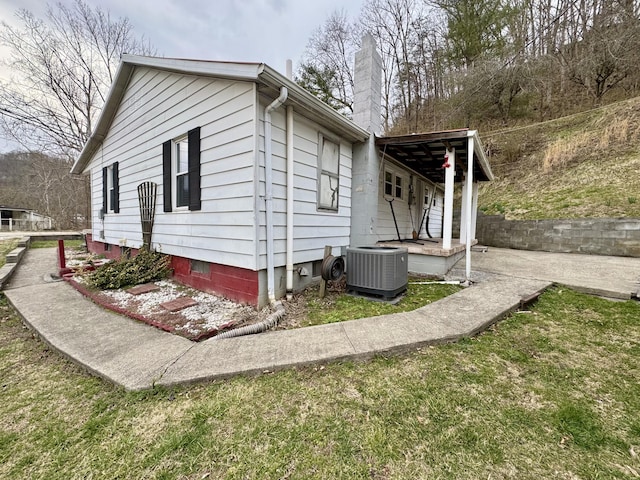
(435, 216)
(160, 106)
(313, 228)
(386, 229)
(435, 213)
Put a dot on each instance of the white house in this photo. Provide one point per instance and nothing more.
(254, 175)
(23, 219)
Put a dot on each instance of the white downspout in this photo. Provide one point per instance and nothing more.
(289, 202)
(268, 179)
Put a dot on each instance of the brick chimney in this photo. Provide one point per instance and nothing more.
(367, 86)
(366, 161)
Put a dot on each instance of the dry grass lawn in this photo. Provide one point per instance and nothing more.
(553, 393)
(585, 165)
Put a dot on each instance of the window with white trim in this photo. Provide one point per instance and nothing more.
(388, 184)
(398, 187)
(329, 173)
(110, 189)
(111, 192)
(393, 185)
(181, 172)
(181, 169)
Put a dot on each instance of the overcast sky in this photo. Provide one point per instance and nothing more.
(269, 31)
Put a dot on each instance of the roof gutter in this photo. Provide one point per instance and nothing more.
(298, 96)
(256, 72)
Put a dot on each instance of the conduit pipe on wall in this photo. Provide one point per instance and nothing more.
(289, 202)
(268, 178)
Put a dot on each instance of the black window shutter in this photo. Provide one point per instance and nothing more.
(166, 175)
(116, 189)
(105, 188)
(194, 169)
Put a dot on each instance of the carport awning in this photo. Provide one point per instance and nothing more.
(424, 153)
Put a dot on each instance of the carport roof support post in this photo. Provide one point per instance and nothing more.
(449, 179)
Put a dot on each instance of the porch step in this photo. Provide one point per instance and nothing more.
(5, 273)
(15, 255)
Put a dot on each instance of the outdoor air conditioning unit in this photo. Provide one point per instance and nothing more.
(378, 271)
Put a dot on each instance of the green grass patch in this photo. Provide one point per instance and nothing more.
(5, 247)
(549, 394)
(341, 307)
(54, 243)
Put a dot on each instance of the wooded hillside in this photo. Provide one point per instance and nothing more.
(583, 165)
(530, 75)
(481, 63)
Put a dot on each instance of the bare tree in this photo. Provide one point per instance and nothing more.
(447, 62)
(396, 24)
(607, 50)
(327, 66)
(43, 183)
(62, 68)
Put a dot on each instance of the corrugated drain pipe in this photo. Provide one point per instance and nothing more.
(270, 322)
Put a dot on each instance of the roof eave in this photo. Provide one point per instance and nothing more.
(255, 72)
(482, 158)
(305, 100)
(111, 105)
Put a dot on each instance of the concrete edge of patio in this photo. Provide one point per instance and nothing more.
(136, 356)
(458, 316)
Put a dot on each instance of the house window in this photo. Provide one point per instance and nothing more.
(181, 167)
(329, 173)
(398, 190)
(181, 172)
(110, 189)
(316, 268)
(393, 185)
(200, 267)
(388, 184)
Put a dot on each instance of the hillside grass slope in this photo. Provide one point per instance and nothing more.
(585, 165)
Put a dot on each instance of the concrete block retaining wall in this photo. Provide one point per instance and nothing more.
(598, 236)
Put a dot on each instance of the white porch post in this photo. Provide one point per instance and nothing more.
(468, 207)
(463, 210)
(474, 210)
(11, 224)
(449, 179)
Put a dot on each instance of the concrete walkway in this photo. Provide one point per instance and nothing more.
(137, 356)
(613, 277)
